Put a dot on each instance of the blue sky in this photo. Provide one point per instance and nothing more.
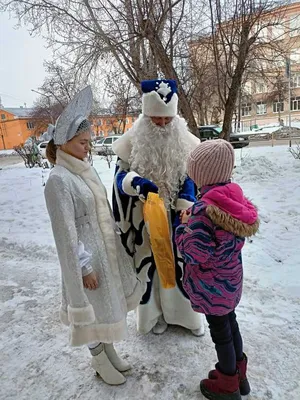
(21, 63)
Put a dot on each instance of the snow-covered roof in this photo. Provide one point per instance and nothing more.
(20, 112)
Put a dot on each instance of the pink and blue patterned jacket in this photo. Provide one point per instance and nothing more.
(211, 245)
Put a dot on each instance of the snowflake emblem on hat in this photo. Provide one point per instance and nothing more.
(163, 89)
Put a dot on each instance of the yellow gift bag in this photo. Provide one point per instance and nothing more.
(156, 220)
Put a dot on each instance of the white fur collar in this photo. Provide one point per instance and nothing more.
(123, 146)
(71, 163)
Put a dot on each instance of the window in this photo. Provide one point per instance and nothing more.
(247, 89)
(295, 80)
(2, 116)
(278, 32)
(261, 108)
(295, 103)
(208, 133)
(108, 141)
(295, 25)
(278, 106)
(260, 87)
(263, 33)
(295, 56)
(30, 125)
(246, 109)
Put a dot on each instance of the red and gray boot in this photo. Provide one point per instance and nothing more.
(242, 369)
(222, 387)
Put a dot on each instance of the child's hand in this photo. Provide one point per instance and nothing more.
(90, 281)
(184, 216)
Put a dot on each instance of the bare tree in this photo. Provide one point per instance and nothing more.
(124, 100)
(278, 93)
(107, 155)
(204, 90)
(147, 39)
(60, 84)
(44, 113)
(239, 32)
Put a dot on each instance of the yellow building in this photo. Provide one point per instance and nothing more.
(105, 125)
(16, 125)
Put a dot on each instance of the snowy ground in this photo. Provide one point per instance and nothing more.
(36, 362)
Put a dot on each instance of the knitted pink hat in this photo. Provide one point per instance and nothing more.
(211, 162)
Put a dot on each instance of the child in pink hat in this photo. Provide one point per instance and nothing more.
(210, 238)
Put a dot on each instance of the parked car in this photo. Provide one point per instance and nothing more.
(104, 146)
(210, 132)
(42, 148)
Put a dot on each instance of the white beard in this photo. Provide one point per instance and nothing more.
(160, 155)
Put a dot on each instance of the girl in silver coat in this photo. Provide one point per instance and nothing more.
(99, 285)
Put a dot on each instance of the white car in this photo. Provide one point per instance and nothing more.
(104, 146)
(42, 148)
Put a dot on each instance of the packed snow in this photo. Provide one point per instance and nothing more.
(36, 361)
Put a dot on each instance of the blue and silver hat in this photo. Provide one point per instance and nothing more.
(159, 98)
(76, 112)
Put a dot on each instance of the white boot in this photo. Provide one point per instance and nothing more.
(106, 370)
(200, 331)
(160, 327)
(120, 364)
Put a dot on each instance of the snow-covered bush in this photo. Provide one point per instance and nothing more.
(295, 151)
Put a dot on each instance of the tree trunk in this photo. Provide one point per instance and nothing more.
(236, 83)
(169, 71)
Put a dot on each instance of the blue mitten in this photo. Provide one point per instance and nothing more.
(143, 186)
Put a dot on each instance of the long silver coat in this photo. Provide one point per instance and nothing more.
(97, 315)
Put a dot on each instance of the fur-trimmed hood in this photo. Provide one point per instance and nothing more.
(227, 207)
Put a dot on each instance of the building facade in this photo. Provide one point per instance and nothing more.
(273, 95)
(106, 124)
(270, 92)
(16, 126)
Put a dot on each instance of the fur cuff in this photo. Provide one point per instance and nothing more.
(82, 315)
(182, 204)
(127, 183)
(86, 270)
(106, 333)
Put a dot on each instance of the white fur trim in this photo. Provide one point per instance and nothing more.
(127, 181)
(107, 333)
(123, 146)
(182, 204)
(176, 309)
(82, 315)
(63, 316)
(154, 106)
(192, 139)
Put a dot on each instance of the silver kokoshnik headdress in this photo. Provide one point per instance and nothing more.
(74, 118)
